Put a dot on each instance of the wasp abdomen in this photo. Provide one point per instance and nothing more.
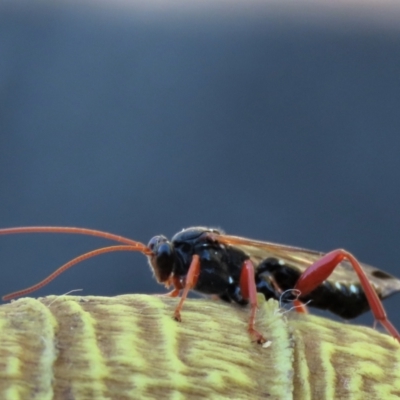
(275, 279)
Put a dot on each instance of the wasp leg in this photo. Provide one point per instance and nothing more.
(190, 282)
(176, 284)
(249, 291)
(300, 307)
(314, 275)
(173, 293)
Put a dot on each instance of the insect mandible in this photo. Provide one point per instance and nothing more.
(234, 269)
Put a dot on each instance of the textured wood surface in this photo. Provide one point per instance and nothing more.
(129, 347)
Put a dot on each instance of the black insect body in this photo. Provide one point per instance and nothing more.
(221, 266)
(235, 269)
(346, 301)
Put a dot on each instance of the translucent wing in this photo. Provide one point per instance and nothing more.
(300, 259)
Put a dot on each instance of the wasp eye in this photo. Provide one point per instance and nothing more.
(153, 242)
(156, 242)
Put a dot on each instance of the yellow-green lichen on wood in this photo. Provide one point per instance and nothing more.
(129, 347)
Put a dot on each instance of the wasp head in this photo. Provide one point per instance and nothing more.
(162, 258)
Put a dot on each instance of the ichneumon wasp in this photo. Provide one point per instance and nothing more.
(235, 269)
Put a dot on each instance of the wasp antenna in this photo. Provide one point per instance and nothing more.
(69, 264)
(67, 229)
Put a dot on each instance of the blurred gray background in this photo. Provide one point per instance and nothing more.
(268, 120)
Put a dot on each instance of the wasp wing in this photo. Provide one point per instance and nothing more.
(300, 259)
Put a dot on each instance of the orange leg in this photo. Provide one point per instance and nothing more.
(173, 293)
(249, 291)
(176, 283)
(190, 283)
(300, 307)
(314, 275)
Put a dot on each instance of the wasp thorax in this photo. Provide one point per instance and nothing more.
(162, 258)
